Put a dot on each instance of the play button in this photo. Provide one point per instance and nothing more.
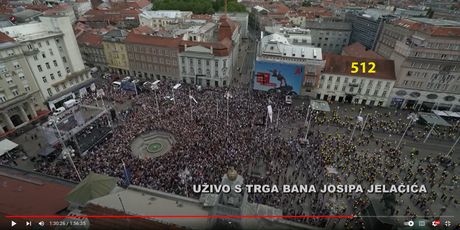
(13, 223)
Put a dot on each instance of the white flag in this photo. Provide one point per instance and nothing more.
(191, 97)
(93, 87)
(270, 113)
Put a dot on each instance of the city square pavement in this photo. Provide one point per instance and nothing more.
(429, 149)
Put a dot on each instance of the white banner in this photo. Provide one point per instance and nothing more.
(270, 113)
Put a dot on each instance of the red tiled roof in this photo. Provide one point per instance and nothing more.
(227, 28)
(5, 38)
(56, 9)
(110, 15)
(221, 48)
(442, 31)
(31, 196)
(338, 64)
(90, 39)
(152, 40)
(40, 7)
(143, 30)
(358, 50)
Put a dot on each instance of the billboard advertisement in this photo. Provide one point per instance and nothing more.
(278, 77)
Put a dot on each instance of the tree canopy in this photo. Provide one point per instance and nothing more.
(198, 6)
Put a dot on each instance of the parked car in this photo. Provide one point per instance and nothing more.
(58, 111)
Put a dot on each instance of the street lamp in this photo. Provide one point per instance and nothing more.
(154, 88)
(175, 87)
(358, 120)
(412, 118)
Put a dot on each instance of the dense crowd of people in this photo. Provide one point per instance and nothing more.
(207, 146)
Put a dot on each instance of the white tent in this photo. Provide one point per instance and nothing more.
(6, 145)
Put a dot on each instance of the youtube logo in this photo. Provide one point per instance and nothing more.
(13, 223)
(436, 223)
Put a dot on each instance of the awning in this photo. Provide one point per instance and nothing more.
(433, 119)
(6, 145)
(453, 114)
(440, 113)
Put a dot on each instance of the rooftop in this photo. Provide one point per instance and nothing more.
(152, 40)
(328, 25)
(278, 45)
(341, 65)
(358, 50)
(31, 193)
(147, 202)
(90, 39)
(172, 14)
(434, 27)
(5, 38)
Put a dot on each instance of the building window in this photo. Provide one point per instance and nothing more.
(52, 76)
(216, 64)
(51, 52)
(39, 67)
(35, 57)
(49, 92)
(43, 55)
(67, 69)
(2, 98)
(44, 79)
(15, 92)
(47, 42)
(64, 60)
(59, 74)
(55, 63)
(48, 65)
(56, 88)
(39, 45)
(27, 88)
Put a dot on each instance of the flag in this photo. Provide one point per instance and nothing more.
(93, 87)
(191, 97)
(126, 176)
(270, 113)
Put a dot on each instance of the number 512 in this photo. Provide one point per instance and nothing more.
(355, 67)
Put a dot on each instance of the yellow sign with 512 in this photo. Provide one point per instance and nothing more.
(363, 67)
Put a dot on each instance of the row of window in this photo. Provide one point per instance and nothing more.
(205, 61)
(69, 83)
(39, 44)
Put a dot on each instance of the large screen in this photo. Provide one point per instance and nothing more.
(278, 77)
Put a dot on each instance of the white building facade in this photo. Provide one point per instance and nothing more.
(52, 53)
(20, 98)
(337, 83)
(210, 63)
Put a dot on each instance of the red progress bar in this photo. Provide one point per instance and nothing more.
(177, 217)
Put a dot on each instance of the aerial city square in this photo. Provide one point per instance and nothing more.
(229, 114)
